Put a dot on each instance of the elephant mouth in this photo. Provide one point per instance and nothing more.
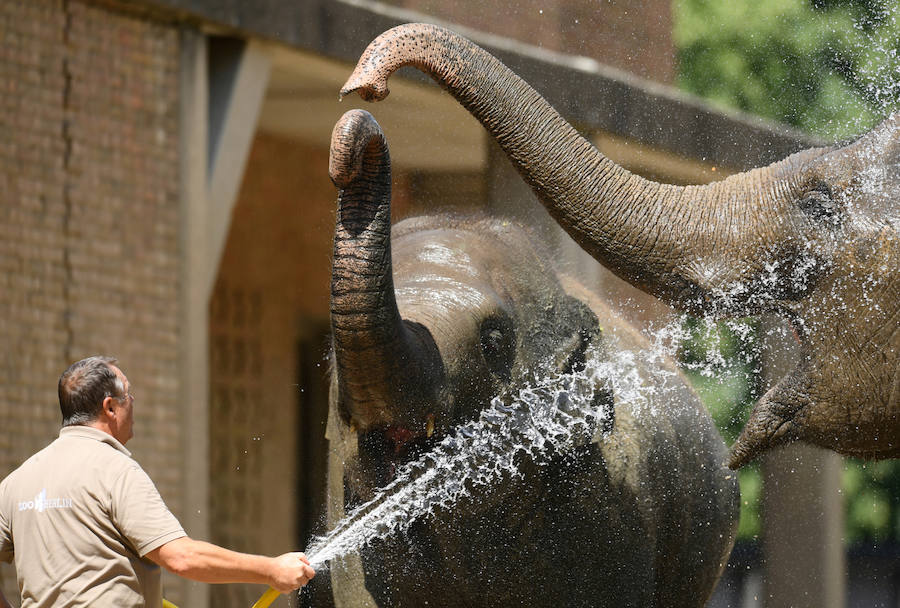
(407, 445)
(388, 449)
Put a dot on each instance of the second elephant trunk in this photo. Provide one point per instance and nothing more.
(700, 248)
(385, 368)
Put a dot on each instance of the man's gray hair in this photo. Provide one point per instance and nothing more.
(83, 387)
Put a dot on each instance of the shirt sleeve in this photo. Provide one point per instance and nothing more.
(7, 552)
(140, 514)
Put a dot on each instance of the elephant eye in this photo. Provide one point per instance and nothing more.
(818, 203)
(498, 346)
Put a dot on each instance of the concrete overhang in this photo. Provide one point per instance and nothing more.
(425, 128)
(316, 43)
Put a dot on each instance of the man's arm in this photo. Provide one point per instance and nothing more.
(208, 563)
(3, 602)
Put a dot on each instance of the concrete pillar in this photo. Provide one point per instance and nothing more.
(195, 271)
(802, 508)
(238, 76)
(223, 82)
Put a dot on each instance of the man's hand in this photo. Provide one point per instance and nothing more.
(290, 571)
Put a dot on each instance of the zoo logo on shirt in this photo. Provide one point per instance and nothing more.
(41, 502)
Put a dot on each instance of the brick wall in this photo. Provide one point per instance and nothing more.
(632, 35)
(88, 220)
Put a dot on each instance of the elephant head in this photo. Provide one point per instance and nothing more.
(412, 365)
(437, 316)
(814, 237)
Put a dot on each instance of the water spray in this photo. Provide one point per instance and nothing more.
(556, 414)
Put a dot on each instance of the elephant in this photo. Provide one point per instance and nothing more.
(814, 238)
(437, 316)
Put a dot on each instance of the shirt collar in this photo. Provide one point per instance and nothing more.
(89, 432)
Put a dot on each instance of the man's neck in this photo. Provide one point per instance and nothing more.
(101, 425)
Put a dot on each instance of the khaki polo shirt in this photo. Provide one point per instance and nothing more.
(78, 517)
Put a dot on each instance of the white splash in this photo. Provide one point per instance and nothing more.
(554, 414)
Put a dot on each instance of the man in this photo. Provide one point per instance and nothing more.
(87, 527)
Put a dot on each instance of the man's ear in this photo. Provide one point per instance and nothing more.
(108, 407)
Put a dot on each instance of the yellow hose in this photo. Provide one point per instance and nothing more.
(266, 599)
(263, 602)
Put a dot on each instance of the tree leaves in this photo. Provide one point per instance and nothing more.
(829, 67)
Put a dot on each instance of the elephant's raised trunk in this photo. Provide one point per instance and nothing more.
(385, 368)
(687, 245)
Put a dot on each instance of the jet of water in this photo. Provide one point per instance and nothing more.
(555, 414)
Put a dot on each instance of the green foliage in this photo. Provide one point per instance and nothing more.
(722, 363)
(831, 68)
(750, 480)
(721, 360)
(872, 490)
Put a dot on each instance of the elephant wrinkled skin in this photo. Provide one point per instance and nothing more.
(430, 321)
(815, 238)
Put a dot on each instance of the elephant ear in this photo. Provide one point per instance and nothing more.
(775, 419)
